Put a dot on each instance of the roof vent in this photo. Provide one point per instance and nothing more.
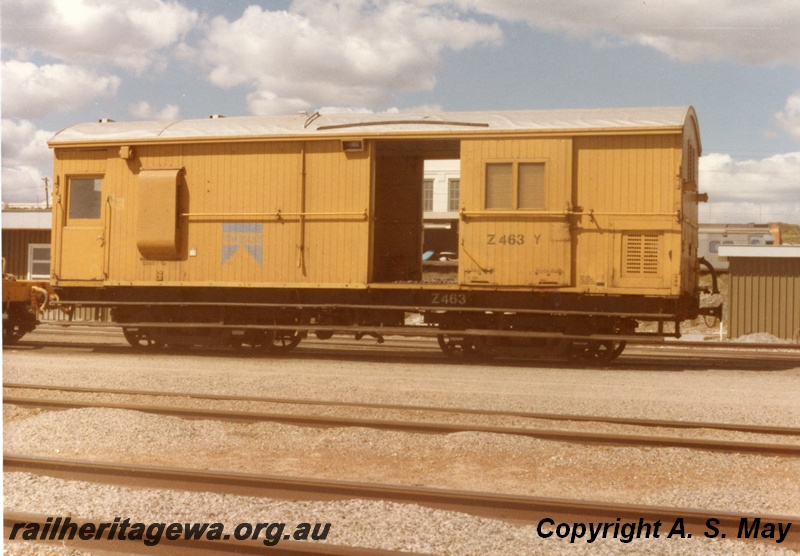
(216, 116)
(105, 120)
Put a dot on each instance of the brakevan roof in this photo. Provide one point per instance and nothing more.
(444, 123)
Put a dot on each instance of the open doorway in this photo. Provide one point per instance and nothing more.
(441, 203)
(398, 206)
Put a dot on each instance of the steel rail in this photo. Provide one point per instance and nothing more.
(661, 423)
(517, 508)
(418, 427)
(655, 352)
(646, 343)
(182, 547)
(411, 330)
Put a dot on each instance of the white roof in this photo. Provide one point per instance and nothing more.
(782, 251)
(372, 124)
(27, 219)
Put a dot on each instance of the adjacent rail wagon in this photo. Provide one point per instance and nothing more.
(713, 236)
(575, 225)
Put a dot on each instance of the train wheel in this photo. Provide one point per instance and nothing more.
(452, 346)
(18, 320)
(285, 341)
(618, 350)
(595, 352)
(464, 347)
(141, 338)
(255, 340)
(12, 333)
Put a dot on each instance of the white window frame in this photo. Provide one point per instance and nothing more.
(31, 260)
(453, 186)
(427, 194)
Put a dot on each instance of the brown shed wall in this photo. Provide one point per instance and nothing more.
(765, 297)
(15, 249)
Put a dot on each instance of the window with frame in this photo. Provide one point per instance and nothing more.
(39, 261)
(85, 198)
(427, 195)
(515, 185)
(453, 194)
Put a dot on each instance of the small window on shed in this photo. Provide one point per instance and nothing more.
(713, 247)
(39, 261)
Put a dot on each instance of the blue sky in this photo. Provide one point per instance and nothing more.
(737, 62)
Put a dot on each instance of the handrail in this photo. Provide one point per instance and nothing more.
(277, 214)
(506, 213)
(564, 213)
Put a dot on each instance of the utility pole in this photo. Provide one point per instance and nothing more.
(46, 192)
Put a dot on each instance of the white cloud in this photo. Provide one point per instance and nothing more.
(31, 91)
(23, 143)
(789, 118)
(22, 184)
(335, 53)
(765, 190)
(26, 160)
(127, 33)
(143, 111)
(393, 110)
(267, 102)
(751, 32)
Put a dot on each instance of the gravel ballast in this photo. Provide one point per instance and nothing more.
(467, 461)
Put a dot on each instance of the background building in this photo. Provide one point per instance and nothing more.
(26, 242)
(441, 189)
(764, 290)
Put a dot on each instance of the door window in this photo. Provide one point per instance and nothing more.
(84, 198)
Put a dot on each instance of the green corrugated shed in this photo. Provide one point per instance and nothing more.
(764, 290)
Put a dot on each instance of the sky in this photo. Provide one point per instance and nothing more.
(736, 61)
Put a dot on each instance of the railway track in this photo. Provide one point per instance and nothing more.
(737, 427)
(660, 353)
(428, 427)
(520, 509)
